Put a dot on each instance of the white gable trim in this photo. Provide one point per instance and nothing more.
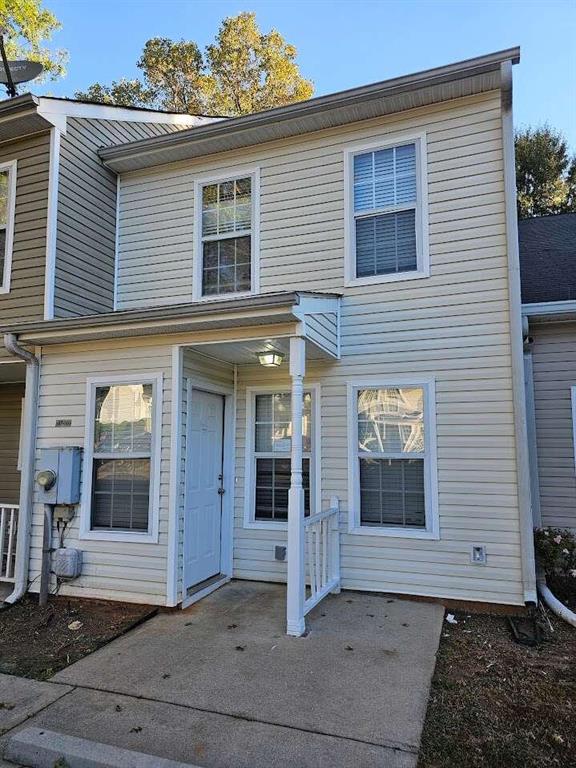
(54, 109)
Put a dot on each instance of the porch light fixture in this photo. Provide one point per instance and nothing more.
(271, 358)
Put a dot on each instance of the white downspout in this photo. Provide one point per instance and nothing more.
(553, 603)
(27, 473)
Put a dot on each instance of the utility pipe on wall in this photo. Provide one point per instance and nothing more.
(27, 475)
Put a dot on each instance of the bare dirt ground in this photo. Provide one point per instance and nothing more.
(497, 704)
(37, 642)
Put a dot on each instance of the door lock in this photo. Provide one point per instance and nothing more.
(221, 491)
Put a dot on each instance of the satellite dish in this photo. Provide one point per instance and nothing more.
(20, 71)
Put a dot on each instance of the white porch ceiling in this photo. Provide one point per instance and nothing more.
(245, 352)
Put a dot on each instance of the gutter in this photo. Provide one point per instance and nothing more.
(517, 344)
(10, 108)
(179, 318)
(549, 308)
(29, 419)
(375, 92)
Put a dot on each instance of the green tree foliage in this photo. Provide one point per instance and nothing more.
(243, 71)
(27, 26)
(545, 173)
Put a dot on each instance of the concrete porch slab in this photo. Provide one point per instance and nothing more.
(361, 674)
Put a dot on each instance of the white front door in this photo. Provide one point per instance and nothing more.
(203, 506)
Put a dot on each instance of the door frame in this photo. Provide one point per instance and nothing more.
(228, 463)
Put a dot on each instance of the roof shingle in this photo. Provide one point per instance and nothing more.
(548, 258)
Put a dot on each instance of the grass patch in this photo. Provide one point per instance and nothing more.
(497, 704)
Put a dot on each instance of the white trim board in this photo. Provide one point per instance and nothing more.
(573, 405)
(11, 167)
(144, 537)
(432, 529)
(56, 108)
(52, 224)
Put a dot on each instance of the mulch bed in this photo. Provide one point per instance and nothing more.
(497, 704)
(38, 642)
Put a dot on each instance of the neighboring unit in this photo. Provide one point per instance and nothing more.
(548, 265)
(57, 241)
(316, 344)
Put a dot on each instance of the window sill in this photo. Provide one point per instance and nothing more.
(264, 525)
(395, 533)
(379, 279)
(119, 536)
(225, 296)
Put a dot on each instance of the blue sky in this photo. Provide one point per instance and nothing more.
(342, 43)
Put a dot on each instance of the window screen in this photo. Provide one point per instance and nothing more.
(4, 212)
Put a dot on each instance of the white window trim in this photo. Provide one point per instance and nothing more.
(432, 529)
(573, 404)
(422, 246)
(201, 181)
(315, 461)
(11, 209)
(146, 537)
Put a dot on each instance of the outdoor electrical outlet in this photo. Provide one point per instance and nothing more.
(280, 553)
(479, 555)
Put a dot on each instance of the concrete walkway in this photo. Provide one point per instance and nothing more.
(220, 685)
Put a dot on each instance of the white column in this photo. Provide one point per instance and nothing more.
(295, 593)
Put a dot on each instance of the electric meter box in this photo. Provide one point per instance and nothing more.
(67, 563)
(65, 463)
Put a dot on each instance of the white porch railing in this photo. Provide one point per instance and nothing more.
(8, 533)
(322, 556)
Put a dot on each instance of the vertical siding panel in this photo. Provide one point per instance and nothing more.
(554, 365)
(25, 301)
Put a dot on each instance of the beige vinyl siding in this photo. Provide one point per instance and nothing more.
(302, 201)
(10, 415)
(85, 249)
(25, 301)
(554, 366)
(322, 329)
(112, 570)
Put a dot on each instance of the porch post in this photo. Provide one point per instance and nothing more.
(295, 592)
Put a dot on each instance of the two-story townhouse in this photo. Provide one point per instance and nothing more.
(313, 370)
(57, 240)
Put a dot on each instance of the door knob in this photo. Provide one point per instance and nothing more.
(221, 491)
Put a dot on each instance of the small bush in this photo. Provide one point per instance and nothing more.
(556, 551)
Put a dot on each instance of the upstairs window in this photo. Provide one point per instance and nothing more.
(226, 242)
(7, 201)
(387, 240)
